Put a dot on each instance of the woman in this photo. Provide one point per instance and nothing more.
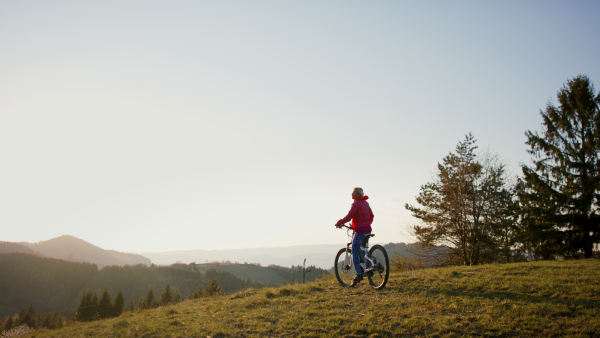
(361, 215)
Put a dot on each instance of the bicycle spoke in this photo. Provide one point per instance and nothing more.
(380, 273)
(344, 269)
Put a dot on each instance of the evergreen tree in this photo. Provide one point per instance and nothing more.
(27, 317)
(57, 321)
(167, 296)
(560, 193)
(95, 306)
(150, 299)
(53, 321)
(176, 296)
(466, 207)
(213, 288)
(47, 321)
(88, 307)
(141, 303)
(118, 305)
(105, 305)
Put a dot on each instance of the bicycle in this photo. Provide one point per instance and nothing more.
(375, 263)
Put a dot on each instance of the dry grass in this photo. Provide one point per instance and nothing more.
(523, 299)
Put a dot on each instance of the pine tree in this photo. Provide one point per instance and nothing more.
(213, 288)
(88, 307)
(118, 305)
(28, 317)
(47, 321)
(57, 321)
(105, 305)
(141, 303)
(95, 306)
(53, 321)
(560, 194)
(150, 299)
(176, 296)
(167, 295)
(32, 317)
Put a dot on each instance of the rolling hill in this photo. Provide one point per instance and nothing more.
(6, 247)
(73, 249)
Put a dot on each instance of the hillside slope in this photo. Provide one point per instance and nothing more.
(522, 299)
(57, 285)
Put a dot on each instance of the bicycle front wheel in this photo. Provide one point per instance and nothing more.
(344, 269)
(378, 277)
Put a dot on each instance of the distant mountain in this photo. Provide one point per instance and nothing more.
(6, 247)
(73, 249)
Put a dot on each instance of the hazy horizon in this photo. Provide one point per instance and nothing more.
(153, 126)
(341, 244)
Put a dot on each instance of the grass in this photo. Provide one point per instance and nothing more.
(558, 298)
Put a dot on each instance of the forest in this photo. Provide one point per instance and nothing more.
(57, 285)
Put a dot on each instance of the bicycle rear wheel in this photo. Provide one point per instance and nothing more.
(378, 277)
(344, 269)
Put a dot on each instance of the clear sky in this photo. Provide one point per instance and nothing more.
(166, 125)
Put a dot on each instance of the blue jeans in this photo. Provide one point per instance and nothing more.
(357, 241)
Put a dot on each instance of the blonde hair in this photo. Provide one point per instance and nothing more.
(360, 192)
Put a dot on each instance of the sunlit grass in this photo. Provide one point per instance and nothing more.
(523, 299)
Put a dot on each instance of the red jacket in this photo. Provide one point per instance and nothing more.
(361, 216)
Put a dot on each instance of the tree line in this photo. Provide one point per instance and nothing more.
(30, 319)
(91, 307)
(53, 284)
(552, 211)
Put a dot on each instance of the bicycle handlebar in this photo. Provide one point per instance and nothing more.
(343, 226)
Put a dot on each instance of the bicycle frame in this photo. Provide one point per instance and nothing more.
(363, 253)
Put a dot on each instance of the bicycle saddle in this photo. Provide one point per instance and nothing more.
(366, 240)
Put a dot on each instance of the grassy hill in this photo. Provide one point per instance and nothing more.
(553, 298)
